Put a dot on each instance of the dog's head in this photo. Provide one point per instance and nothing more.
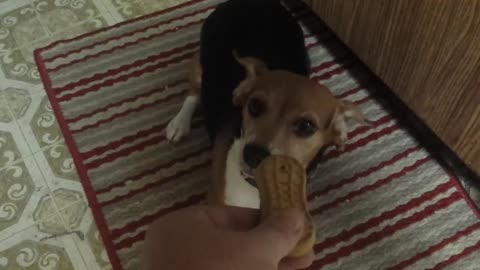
(287, 114)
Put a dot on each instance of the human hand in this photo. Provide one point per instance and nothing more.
(224, 238)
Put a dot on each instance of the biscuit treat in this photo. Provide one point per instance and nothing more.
(281, 183)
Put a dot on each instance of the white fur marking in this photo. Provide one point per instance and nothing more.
(238, 192)
(179, 126)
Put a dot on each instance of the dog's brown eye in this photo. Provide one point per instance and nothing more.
(255, 107)
(305, 128)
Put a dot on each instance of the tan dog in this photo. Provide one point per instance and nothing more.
(252, 107)
(283, 113)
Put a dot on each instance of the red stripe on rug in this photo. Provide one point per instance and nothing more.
(154, 170)
(129, 138)
(127, 112)
(125, 151)
(196, 198)
(370, 187)
(364, 173)
(122, 78)
(436, 247)
(123, 101)
(138, 63)
(467, 251)
(140, 134)
(323, 65)
(362, 100)
(349, 92)
(329, 74)
(313, 44)
(457, 183)
(127, 44)
(375, 221)
(363, 141)
(128, 150)
(358, 131)
(165, 180)
(373, 124)
(385, 232)
(127, 34)
(127, 242)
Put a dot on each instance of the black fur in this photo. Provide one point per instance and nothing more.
(258, 28)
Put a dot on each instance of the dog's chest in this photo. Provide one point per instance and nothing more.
(238, 192)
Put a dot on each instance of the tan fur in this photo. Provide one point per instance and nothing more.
(216, 191)
(254, 68)
(195, 75)
(221, 145)
(288, 97)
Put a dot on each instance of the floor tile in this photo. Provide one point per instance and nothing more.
(18, 100)
(39, 124)
(14, 85)
(91, 246)
(12, 4)
(68, 19)
(57, 163)
(13, 145)
(23, 197)
(20, 33)
(6, 115)
(133, 8)
(39, 247)
(60, 175)
(109, 11)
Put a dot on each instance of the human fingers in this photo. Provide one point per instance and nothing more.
(278, 234)
(296, 263)
(233, 218)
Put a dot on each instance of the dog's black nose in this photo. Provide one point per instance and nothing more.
(253, 154)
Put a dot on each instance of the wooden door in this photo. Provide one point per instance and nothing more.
(428, 52)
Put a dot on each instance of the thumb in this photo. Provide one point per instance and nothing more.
(278, 234)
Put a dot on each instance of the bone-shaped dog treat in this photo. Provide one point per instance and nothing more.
(281, 183)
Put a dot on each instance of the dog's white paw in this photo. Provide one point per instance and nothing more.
(178, 127)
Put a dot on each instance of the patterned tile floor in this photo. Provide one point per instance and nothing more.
(41, 198)
(45, 221)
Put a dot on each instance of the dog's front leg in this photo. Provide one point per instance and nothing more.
(179, 126)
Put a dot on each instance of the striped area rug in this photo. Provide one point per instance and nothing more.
(382, 203)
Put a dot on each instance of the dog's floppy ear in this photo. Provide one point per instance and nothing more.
(344, 112)
(253, 68)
